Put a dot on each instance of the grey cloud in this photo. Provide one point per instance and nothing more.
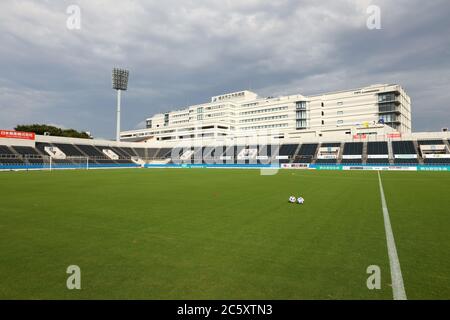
(183, 52)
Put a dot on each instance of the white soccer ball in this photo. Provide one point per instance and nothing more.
(300, 200)
(292, 199)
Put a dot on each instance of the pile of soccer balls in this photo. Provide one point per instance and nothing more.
(293, 199)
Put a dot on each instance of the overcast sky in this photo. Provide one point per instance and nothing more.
(182, 52)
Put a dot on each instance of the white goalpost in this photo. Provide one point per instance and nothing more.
(68, 163)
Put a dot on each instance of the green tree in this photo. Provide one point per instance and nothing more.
(41, 129)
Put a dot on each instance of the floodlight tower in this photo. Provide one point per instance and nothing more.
(120, 82)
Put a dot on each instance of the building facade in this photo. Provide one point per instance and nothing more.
(372, 110)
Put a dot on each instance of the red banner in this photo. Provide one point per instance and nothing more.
(360, 136)
(11, 134)
(394, 135)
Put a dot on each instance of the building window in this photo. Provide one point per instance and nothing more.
(340, 121)
(323, 113)
(300, 105)
(323, 122)
(386, 97)
(322, 104)
(340, 103)
(340, 113)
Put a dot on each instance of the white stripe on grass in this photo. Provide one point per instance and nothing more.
(398, 288)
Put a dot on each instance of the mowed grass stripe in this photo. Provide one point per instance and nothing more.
(191, 234)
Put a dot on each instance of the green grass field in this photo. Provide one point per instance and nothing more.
(220, 234)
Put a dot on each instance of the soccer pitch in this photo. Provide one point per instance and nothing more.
(221, 234)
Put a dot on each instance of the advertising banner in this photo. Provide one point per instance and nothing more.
(12, 134)
(295, 165)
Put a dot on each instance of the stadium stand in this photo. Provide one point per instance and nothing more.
(352, 150)
(69, 150)
(26, 151)
(428, 142)
(41, 147)
(90, 151)
(306, 153)
(331, 145)
(378, 148)
(289, 151)
(4, 150)
(403, 147)
(129, 151)
(141, 152)
(326, 161)
(163, 153)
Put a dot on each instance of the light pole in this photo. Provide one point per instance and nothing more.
(120, 82)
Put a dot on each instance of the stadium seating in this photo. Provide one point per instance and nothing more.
(11, 161)
(26, 151)
(120, 152)
(37, 156)
(377, 161)
(69, 150)
(4, 150)
(90, 151)
(403, 147)
(141, 152)
(330, 145)
(129, 151)
(326, 161)
(287, 150)
(306, 153)
(428, 142)
(163, 153)
(406, 161)
(41, 147)
(353, 148)
(351, 161)
(379, 147)
(436, 161)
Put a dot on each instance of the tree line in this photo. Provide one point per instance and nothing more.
(42, 129)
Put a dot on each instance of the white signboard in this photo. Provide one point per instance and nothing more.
(405, 156)
(437, 156)
(378, 156)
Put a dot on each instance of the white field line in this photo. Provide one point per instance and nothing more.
(398, 288)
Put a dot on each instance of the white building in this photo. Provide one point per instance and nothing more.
(373, 110)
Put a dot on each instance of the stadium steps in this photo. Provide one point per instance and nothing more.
(157, 152)
(390, 152)
(314, 158)
(76, 147)
(419, 156)
(341, 153)
(364, 153)
(295, 153)
(8, 150)
(447, 143)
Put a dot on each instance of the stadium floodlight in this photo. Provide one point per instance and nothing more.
(119, 82)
